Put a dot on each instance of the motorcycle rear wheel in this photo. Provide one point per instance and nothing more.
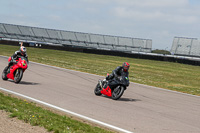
(97, 90)
(18, 75)
(4, 73)
(117, 92)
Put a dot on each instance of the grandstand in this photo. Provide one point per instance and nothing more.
(186, 46)
(77, 39)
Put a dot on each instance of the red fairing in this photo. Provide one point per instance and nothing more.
(107, 91)
(11, 74)
(20, 64)
(9, 59)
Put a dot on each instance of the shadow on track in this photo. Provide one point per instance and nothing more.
(128, 99)
(28, 83)
(24, 82)
(124, 99)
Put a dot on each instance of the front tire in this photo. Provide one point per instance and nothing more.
(118, 92)
(97, 90)
(18, 75)
(4, 73)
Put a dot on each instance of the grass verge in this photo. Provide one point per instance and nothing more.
(37, 116)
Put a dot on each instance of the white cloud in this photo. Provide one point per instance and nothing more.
(158, 15)
(54, 17)
(181, 19)
(97, 1)
(153, 3)
(142, 3)
(171, 11)
(136, 14)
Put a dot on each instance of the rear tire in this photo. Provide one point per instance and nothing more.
(4, 73)
(97, 90)
(118, 92)
(18, 75)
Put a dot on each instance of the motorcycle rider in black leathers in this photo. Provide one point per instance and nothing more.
(119, 71)
(17, 54)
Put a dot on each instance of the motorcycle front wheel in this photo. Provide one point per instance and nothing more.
(97, 90)
(18, 75)
(118, 92)
(4, 73)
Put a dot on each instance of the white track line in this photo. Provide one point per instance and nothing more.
(104, 76)
(67, 111)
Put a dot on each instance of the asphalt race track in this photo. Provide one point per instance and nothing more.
(142, 109)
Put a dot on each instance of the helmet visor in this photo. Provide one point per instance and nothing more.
(126, 67)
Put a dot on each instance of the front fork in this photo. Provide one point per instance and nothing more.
(16, 72)
(103, 84)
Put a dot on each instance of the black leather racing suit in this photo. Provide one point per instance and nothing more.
(112, 78)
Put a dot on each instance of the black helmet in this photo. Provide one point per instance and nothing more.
(22, 50)
(125, 66)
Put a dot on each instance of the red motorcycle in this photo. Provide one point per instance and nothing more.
(15, 72)
(116, 92)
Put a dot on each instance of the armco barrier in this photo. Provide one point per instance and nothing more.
(140, 55)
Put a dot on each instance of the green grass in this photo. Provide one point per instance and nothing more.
(37, 116)
(168, 75)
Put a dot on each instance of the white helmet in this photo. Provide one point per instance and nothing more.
(22, 50)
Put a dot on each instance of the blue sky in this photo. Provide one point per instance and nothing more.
(159, 20)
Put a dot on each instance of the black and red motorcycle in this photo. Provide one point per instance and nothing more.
(15, 72)
(115, 92)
